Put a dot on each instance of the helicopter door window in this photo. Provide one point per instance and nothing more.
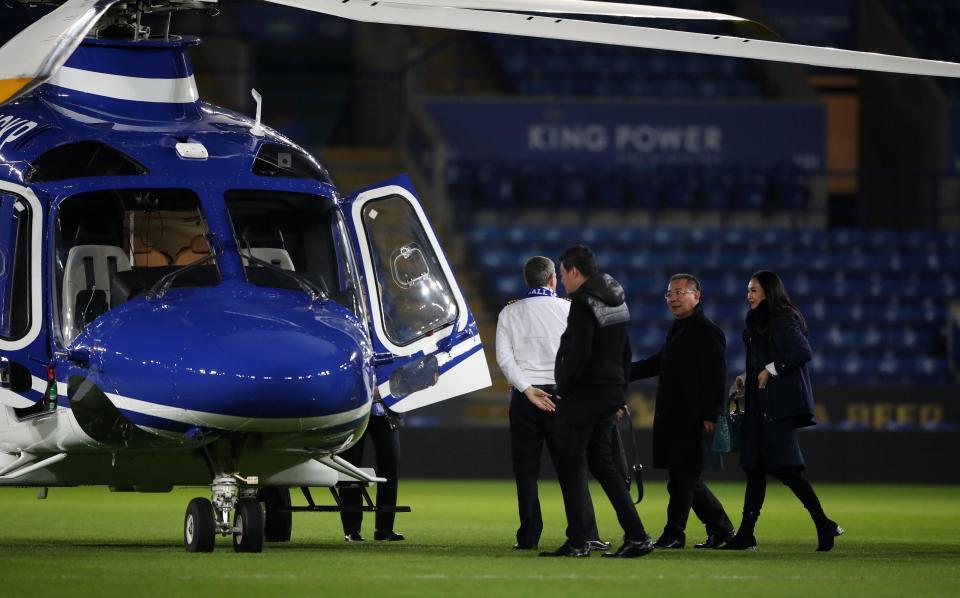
(295, 232)
(15, 222)
(415, 297)
(113, 246)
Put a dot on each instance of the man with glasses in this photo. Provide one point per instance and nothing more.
(691, 392)
(528, 335)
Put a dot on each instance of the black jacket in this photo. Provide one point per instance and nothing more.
(594, 354)
(789, 395)
(692, 369)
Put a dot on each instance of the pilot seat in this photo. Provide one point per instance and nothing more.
(92, 263)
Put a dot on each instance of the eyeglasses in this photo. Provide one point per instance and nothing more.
(677, 293)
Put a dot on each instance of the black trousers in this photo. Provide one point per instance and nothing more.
(585, 434)
(530, 429)
(386, 447)
(792, 478)
(688, 491)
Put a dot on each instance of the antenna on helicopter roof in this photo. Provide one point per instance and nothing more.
(257, 128)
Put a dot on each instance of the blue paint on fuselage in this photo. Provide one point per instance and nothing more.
(234, 350)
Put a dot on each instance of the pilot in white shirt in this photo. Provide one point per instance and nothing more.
(528, 336)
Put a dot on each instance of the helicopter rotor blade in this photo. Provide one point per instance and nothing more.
(439, 14)
(31, 57)
(579, 7)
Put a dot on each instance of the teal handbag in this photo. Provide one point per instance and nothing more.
(728, 435)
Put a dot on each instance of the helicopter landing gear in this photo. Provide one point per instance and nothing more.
(204, 518)
(199, 527)
(279, 520)
(248, 526)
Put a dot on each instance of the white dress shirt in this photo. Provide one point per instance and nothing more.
(528, 337)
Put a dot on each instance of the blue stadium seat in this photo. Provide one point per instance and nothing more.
(642, 190)
(751, 189)
(495, 185)
(485, 235)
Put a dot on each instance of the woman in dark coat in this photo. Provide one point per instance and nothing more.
(779, 400)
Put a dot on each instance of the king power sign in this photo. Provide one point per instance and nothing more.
(747, 134)
(643, 138)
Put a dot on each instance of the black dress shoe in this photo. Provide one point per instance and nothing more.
(353, 537)
(715, 540)
(632, 549)
(741, 542)
(568, 550)
(388, 536)
(519, 546)
(669, 542)
(598, 545)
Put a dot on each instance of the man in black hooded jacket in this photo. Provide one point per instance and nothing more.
(592, 371)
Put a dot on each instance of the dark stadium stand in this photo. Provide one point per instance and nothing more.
(495, 184)
(547, 67)
(557, 68)
(876, 301)
(933, 28)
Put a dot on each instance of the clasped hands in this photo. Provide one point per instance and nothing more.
(540, 398)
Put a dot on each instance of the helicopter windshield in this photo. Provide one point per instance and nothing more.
(112, 246)
(295, 232)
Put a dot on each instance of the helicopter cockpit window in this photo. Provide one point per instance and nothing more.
(82, 159)
(415, 297)
(113, 246)
(299, 233)
(278, 161)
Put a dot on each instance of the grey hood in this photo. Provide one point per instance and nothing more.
(605, 297)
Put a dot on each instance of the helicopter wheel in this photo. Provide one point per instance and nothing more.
(278, 521)
(199, 527)
(248, 526)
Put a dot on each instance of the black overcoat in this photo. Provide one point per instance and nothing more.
(774, 414)
(692, 369)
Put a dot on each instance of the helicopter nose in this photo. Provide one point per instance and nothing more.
(281, 368)
(278, 377)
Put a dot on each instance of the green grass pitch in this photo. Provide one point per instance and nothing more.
(901, 540)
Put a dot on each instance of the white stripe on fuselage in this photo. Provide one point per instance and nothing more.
(235, 422)
(120, 87)
(200, 418)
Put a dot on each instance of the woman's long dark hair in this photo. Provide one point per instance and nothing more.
(778, 300)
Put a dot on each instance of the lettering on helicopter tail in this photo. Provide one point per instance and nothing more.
(12, 128)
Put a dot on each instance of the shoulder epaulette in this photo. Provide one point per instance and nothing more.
(567, 298)
(512, 301)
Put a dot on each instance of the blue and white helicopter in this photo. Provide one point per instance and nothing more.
(186, 299)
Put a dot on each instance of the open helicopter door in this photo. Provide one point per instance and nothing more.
(427, 347)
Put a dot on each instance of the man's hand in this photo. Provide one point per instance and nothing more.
(762, 379)
(623, 412)
(540, 398)
(709, 426)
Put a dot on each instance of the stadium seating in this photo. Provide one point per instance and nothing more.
(532, 66)
(499, 185)
(876, 300)
(931, 26)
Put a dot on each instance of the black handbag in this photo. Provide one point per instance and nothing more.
(632, 473)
